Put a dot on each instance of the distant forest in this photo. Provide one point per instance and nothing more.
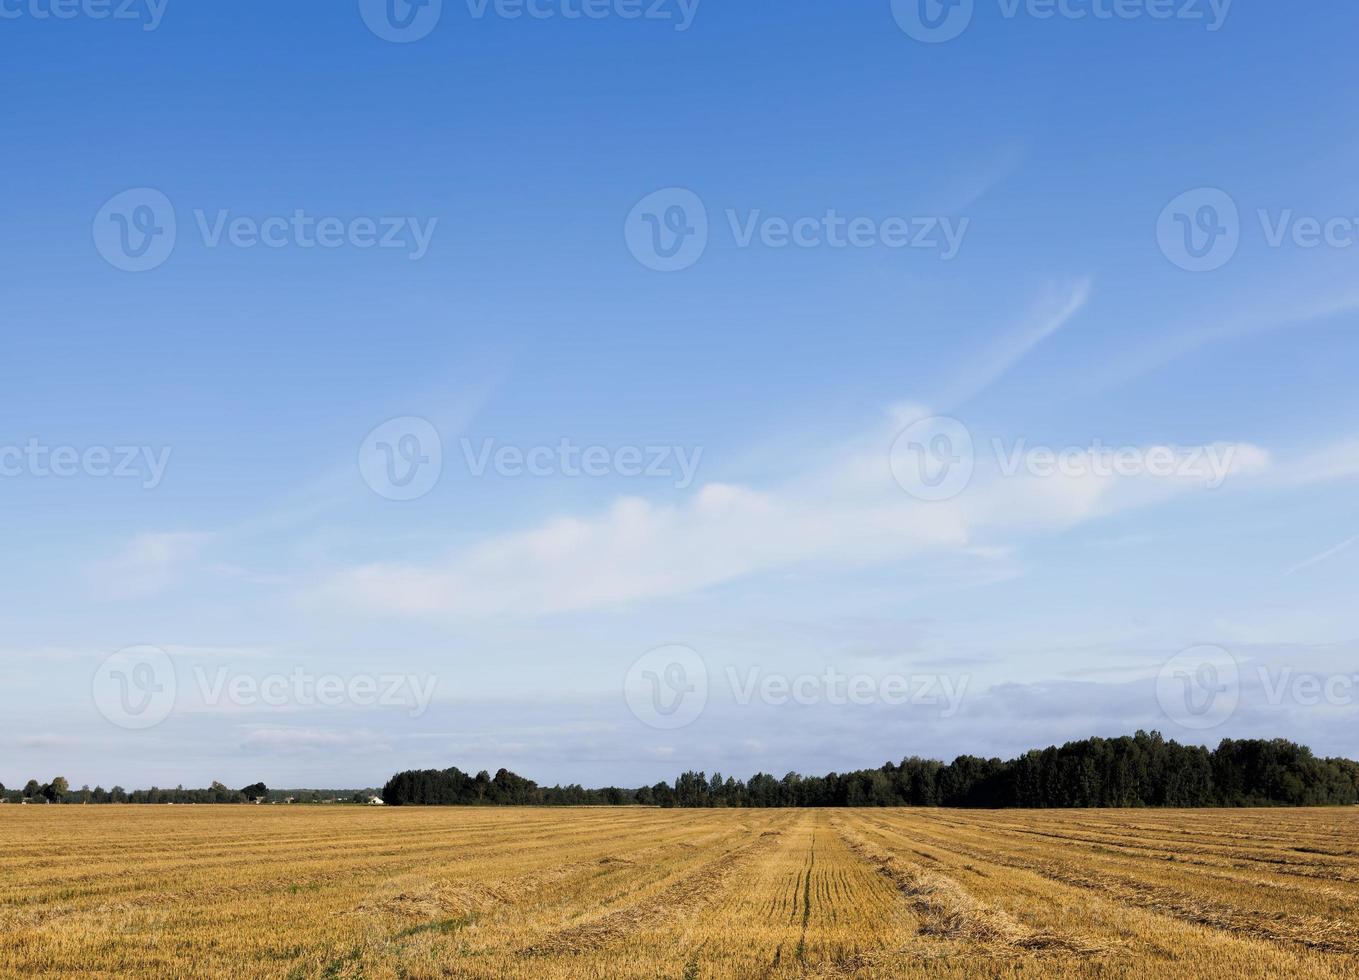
(1144, 770)
(59, 790)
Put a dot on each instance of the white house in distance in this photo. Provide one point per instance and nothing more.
(375, 801)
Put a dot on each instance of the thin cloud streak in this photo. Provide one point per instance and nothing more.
(1051, 313)
(1323, 556)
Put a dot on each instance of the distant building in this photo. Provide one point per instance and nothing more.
(376, 801)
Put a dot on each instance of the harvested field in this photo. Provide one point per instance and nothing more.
(360, 892)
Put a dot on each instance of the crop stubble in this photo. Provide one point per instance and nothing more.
(360, 892)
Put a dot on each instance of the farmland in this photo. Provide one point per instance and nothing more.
(350, 892)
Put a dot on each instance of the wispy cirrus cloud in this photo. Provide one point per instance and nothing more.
(1262, 314)
(1326, 555)
(1053, 310)
(285, 741)
(842, 511)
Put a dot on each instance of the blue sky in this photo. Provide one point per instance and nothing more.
(1052, 147)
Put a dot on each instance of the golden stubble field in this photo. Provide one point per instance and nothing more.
(357, 892)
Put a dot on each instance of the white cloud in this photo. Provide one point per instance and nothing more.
(1338, 461)
(846, 515)
(49, 741)
(210, 653)
(147, 565)
(291, 740)
(637, 550)
(1030, 500)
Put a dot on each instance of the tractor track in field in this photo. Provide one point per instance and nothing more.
(692, 891)
(1324, 935)
(946, 910)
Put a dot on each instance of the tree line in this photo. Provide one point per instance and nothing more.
(59, 791)
(453, 787)
(1142, 770)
